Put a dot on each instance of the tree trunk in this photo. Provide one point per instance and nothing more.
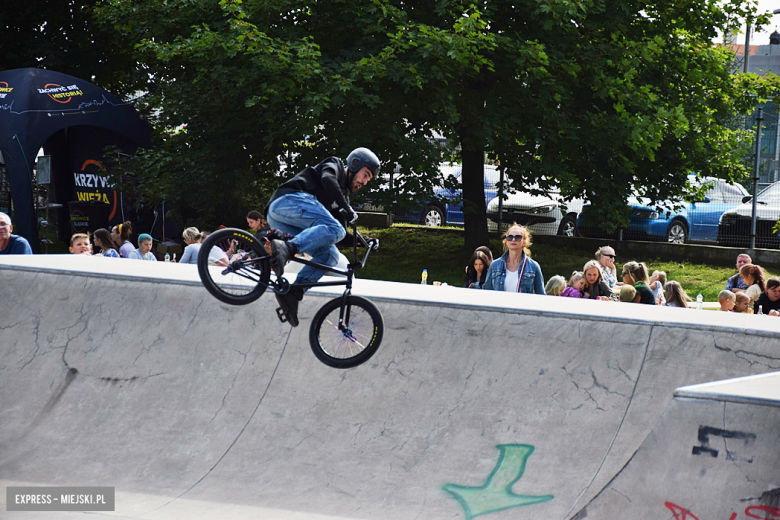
(473, 184)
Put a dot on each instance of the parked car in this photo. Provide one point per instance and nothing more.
(437, 213)
(677, 221)
(543, 215)
(734, 227)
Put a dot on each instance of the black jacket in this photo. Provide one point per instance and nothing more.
(327, 181)
(766, 304)
(602, 289)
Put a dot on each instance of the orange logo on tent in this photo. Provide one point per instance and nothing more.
(56, 86)
(114, 205)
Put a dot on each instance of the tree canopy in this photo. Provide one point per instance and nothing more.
(61, 35)
(600, 98)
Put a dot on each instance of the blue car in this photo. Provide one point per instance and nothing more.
(436, 213)
(679, 222)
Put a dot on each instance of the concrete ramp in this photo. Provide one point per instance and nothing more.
(129, 374)
(714, 453)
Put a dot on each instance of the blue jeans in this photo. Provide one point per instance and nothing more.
(315, 230)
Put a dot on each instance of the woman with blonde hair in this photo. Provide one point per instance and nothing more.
(595, 286)
(635, 273)
(191, 237)
(514, 271)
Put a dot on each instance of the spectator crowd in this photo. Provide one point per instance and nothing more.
(749, 290)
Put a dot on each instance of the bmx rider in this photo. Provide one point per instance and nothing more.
(308, 206)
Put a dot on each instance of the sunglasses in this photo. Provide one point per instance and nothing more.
(514, 238)
(611, 256)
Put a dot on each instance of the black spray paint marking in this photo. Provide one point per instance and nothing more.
(704, 439)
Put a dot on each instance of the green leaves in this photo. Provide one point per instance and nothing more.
(603, 98)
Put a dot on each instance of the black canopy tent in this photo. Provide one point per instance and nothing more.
(37, 103)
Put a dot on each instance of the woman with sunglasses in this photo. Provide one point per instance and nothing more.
(605, 256)
(515, 271)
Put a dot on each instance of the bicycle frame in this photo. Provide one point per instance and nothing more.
(349, 272)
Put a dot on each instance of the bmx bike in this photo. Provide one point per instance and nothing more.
(344, 333)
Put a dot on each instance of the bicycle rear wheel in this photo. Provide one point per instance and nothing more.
(355, 345)
(245, 278)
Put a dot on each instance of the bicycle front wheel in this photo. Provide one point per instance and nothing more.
(247, 273)
(359, 339)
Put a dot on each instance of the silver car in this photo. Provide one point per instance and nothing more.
(542, 214)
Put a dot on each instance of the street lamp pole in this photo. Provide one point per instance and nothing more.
(756, 178)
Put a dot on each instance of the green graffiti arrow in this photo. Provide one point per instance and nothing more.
(496, 494)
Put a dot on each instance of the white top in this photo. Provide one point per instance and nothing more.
(510, 282)
(190, 255)
(753, 292)
(658, 294)
(217, 255)
(136, 255)
(191, 252)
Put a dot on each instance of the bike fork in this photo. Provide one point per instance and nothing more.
(345, 311)
(344, 314)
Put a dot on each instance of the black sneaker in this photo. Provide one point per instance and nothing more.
(282, 252)
(288, 305)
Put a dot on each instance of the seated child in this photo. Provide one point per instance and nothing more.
(627, 293)
(657, 283)
(741, 302)
(575, 286)
(555, 285)
(676, 295)
(79, 244)
(727, 300)
(144, 251)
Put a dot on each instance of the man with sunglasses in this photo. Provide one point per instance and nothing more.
(606, 259)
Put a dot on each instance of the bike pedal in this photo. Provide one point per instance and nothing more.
(281, 314)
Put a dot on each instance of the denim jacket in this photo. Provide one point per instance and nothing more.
(531, 283)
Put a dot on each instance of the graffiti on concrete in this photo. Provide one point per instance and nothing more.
(496, 494)
(705, 449)
(758, 512)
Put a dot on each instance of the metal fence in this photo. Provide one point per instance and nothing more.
(735, 225)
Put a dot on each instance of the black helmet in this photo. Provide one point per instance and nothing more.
(360, 157)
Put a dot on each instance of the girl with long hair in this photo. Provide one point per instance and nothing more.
(476, 272)
(106, 245)
(754, 277)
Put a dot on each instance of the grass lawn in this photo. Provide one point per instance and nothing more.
(405, 251)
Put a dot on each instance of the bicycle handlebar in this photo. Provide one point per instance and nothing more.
(371, 245)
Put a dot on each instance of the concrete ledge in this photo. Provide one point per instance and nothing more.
(374, 219)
